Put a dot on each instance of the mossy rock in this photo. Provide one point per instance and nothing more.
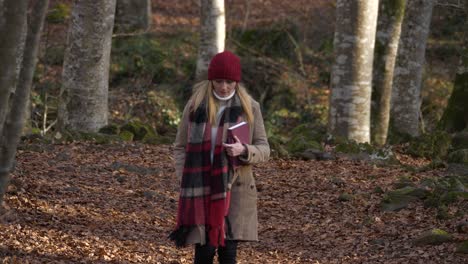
(434, 145)
(110, 129)
(460, 140)
(157, 139)
(99, 138)
(345, 197)
(277, 147)
(459, 156)
(462, 247)
(403, 181)
(126, 135)
(399, 199)
(310, 132)
(300, 144)
(443, 213)
(138, 129)
(433, 237)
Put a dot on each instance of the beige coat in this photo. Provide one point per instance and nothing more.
(243, 208)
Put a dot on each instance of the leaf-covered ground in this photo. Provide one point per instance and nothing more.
(87, 203)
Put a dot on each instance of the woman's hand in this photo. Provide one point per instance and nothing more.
(235, 149)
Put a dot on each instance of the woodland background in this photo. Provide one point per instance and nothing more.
(110, 195)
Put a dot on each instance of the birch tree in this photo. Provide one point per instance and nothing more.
(409, 67)
(212, 34)
(83, 101)
(351, 78)
(15, 118)
(388, 35)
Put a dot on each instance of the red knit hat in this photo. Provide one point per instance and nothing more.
(225, 65)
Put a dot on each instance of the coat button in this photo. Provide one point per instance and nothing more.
(238, 184)
(252, 187)
(253, 154)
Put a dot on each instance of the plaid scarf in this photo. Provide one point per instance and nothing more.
(205, 194)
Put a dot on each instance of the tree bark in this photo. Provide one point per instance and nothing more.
(389, 22)
(406, 98)
(131, 16)
(16, 116)
(83, 102)
(455, 117)
(212, 34)
(351, 79)
(14, 12)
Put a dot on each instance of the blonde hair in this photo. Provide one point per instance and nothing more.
(204, 90)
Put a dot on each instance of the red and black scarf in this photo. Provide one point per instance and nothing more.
(204, 191)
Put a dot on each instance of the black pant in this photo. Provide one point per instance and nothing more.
(226, 255)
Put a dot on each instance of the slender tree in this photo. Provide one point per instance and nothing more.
(15, 120)
(351, 79)
(388, 35)
(84, 93)
(455, 117)
(212, 34)
(14, 18)
(409, 67)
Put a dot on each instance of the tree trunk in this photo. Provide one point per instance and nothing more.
(131, 16)
(406, 98)
(212, 34)
(83, 103)
(16, 116)
(14, 18)
(455, 117)
(388, 35)
(351, 79)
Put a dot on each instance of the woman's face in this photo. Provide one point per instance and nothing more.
(223, 87)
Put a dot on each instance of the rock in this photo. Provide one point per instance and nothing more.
(433, 237)
(110, 129)
(138, 129)
(460, 140)
(62, 156)
(462, 247)
(345, 197)
(71, 189)
(459, 156)
(379, 190)
(150, 194)
(126, 136)
(462, 227)
(398, 199)
(338, 181)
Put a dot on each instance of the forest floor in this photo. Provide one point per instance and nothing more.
(88, 203)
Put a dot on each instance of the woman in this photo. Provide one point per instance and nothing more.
(218, 198)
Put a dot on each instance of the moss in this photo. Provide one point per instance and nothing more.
(460, 140)
(459, 156)
(403, 181)
(433, 237)
(111, 129)
(277, 147)
(300, 144)
(433, 145)
(396, 8)
(462, 247)
(126, 135)
(138, 129)
(345, 197)
(398, 199)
